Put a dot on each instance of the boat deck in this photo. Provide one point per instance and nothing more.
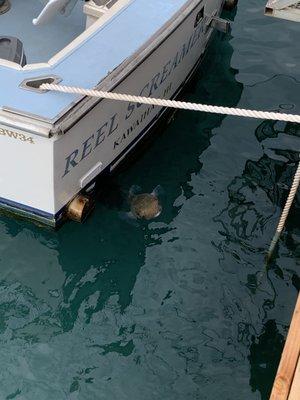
(44, 41)
(93, 58)
(287, 382)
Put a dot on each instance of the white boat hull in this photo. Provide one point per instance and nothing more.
(95, 136)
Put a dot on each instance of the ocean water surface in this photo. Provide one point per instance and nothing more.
(182, 307)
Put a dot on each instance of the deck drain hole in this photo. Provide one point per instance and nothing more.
(34, 84)
(37, 83)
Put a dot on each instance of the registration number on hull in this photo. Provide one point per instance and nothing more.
(16, 135)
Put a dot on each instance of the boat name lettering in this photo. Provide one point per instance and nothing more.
(160, 77)
(110, 126)
(16, 135)
(91, 143)
(133, 127)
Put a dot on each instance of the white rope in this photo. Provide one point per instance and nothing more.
(173, 104)
(285, 212)
(204, 108)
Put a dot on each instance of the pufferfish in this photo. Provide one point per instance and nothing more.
(144, 205)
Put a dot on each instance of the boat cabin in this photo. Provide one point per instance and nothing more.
(33, 31)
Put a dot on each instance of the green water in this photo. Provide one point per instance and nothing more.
(181, 307)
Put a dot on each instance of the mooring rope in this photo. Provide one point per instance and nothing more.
(285, 212)
(183, 105)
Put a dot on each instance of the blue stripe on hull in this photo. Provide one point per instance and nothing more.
(27, 211)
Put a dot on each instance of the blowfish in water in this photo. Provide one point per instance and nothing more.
(144, 205)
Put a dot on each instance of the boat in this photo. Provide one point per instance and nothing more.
(55, 145)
